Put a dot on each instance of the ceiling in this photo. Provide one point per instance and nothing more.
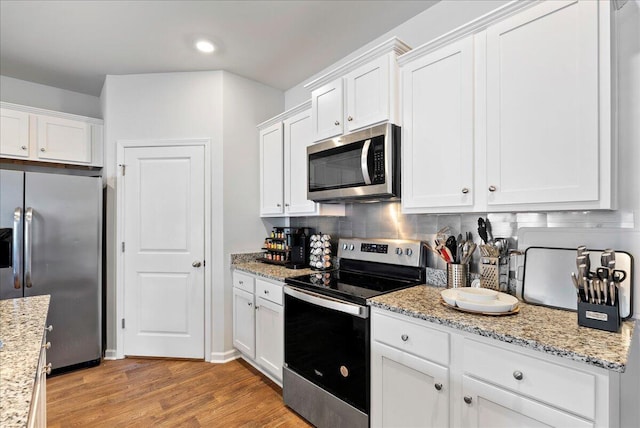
(73, 44)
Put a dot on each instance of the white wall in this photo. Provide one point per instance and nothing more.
(216, 105)
(35, 95)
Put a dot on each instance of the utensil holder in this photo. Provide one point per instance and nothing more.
(490, 273)
(601, 317)
(457, 275)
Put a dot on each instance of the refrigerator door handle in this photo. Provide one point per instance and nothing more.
(28, 239)
(17, 248)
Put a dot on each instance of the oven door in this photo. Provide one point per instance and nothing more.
(326, 341)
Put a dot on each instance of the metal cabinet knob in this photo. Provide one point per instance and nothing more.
(278, 205)
(49, 329)
(350, 119)
(492, 188)
(196, 264)
(47, 369)
(404, 337)
(23, 147)
(249, 304)
(518, 375)
(336, 123)
(42, 149)
(465, 190)
(47, 345)
(240, 282)
(266, 291)
(286, 205)
(467, 399)
(438, 386)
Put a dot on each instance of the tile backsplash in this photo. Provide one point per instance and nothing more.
(385, 220)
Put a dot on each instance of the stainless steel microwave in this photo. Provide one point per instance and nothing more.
(362, 166)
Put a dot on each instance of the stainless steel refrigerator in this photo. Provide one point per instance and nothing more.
(51, 243)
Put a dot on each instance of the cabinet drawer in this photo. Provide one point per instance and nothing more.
(243, 281)
(269, 291)
(554, 384)
(411, 337)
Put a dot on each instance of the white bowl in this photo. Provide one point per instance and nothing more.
(449, 296)
(503, 303)
(477, 294)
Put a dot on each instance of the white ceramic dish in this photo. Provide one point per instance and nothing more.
(502, 302)
(477, 294)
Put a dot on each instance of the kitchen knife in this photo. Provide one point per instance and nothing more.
(605, 290)
(592, 294)
(574, 279)
(597, 284)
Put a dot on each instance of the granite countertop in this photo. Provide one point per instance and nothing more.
(277, 272)
(547, 330)
(22, 323)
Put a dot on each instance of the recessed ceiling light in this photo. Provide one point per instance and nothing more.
(205, 46)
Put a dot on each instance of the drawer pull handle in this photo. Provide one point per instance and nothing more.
(518, 375)
(438, 386)
(467, 399)
(404, 337)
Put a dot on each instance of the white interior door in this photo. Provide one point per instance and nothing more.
(163, 251)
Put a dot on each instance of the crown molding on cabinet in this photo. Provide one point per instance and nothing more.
(282, 116)
(392, 45)
(469, 28)
(53, 113)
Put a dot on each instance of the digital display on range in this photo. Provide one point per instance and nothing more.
(374, 248)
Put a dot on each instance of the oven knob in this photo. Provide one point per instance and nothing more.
(408, 251)
(399, 251)
(345, 246)
(352, 247)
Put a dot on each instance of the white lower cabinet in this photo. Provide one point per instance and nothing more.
(258, 322)
(489, 406)
(426, 375)
(38, 411)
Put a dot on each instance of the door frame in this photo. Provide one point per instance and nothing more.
(120, 220)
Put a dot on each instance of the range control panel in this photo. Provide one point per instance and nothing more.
(403, 252)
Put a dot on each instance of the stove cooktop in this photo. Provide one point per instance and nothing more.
(351, 286)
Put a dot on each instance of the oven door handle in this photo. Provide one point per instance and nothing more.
(328, 302)
(364, 161)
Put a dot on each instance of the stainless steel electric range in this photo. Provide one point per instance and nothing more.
(326, 328)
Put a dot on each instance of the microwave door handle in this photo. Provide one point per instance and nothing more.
(17, 248)
(28, 244)
(364, 158)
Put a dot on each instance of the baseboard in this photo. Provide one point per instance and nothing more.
(224, 357)
(110, 354)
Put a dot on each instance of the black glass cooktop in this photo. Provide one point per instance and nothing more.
(351, 286)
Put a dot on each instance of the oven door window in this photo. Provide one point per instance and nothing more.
(328, 348)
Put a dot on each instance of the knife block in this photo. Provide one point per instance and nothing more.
(601, 317)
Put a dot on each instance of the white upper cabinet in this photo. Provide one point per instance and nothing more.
(14, 133)
(358, 94)
(271, 176)
(47, 136)
(437, 146)
(368, 93)
(63, 140)
(512, 114)
(283, 166)
(327, 110)
(297, 136)
(543, 110)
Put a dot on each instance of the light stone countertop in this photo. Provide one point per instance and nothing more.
(547, 330)
(276, 272)
(22, 323)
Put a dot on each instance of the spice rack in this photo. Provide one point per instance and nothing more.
(276, 248)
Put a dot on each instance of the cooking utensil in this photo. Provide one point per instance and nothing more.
(581, 249)
(576, 284)
(580, 260)
(487, 226)
(482, 230)
(618, 275)
(469, 253)
(452, 247)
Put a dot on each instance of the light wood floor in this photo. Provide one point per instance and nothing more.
(137, 392)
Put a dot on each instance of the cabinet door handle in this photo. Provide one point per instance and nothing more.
(518, 375)
(286, 205)
(465, 190)
(240, 282)
(438, 386)
(196, 264)
(467, 399)
(336, 123)
(492, 188)
(350, 119)
(266, 291)
(23, 147)
(278, 205)
(47, 369)
(49, 329)
(249, 303)
(42, 149)
(404, 337)
(47, 345)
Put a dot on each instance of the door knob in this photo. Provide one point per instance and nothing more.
(196, 264)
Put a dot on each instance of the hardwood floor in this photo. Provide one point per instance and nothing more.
(137, 392)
